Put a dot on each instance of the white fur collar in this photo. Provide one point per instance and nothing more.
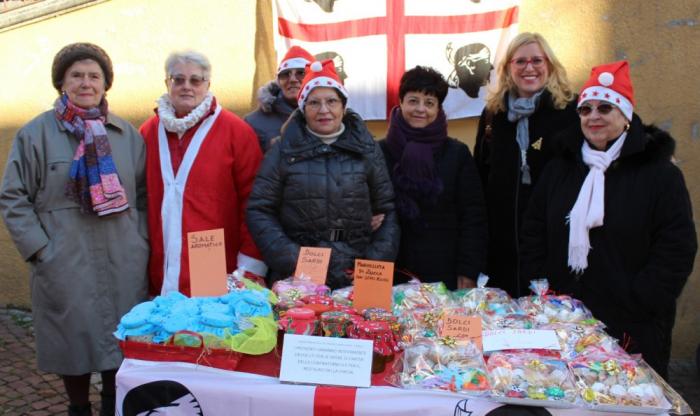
(166, 112)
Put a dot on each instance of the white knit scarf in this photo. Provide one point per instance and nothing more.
(589, 209)
(166, 112)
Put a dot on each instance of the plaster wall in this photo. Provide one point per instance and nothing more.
(661, 39)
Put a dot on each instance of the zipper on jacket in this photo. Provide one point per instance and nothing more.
(517, 230)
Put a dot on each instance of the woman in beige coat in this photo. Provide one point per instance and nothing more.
(73, 200)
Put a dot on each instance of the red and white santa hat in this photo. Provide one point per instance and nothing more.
(611, 83)
(295, 58)
(319, 74)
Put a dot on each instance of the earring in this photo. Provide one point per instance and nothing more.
(627, 127)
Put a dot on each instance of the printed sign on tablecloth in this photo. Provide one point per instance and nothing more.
(326, 360)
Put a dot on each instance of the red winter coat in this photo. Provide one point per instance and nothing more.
(215, 196)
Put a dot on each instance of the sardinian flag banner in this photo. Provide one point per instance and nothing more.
(373, 42)
(183, 389)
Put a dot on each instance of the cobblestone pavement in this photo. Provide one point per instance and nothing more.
(26, 391)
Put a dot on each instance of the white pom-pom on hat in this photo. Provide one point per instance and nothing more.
(316, 66)
(606, 79)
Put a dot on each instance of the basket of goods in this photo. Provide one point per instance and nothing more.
(615, 382)
(211, 331)
(443, 364)
(525, 377)
(546, 307)
(495, 307)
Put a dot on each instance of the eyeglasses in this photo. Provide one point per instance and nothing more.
(179, 80)
(603, 109)
(331, 104)
(298, 74)
(536, 61)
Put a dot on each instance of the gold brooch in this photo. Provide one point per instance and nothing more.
(537, 145)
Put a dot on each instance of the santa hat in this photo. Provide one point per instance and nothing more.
(611, 83)
(319, 74)
(296, 58)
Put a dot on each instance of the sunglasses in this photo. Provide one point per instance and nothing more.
(536, 61)
(179, 80)
(603, 109)
(298, 74)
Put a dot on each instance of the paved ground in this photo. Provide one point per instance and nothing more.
(27, 391)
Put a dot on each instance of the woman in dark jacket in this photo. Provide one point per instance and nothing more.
(438, 192)
(321, 185)
(514, 141)
(610, 222)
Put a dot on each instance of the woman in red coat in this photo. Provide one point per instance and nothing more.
(200, 166)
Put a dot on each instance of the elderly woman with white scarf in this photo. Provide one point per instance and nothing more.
(610, 221)
(201, 162)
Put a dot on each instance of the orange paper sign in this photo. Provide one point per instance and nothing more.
(373, 281)
(313, 262)
(207, 253)
(462, 327)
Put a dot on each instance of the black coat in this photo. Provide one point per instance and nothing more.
(305, 189)
(449, 238)
(272, 112)
(498, 161)
(640, 257)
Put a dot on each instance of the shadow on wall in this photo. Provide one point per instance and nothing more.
(14, 284)
(673, 107)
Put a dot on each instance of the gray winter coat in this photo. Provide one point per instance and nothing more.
(271, 114)
(90, 270)
(308, 193)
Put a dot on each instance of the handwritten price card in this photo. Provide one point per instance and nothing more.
(313, 262)
(373, 281)
(207, 253)
(517, 339)
(462, 327)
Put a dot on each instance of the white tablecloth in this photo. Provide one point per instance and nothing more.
(221, 392)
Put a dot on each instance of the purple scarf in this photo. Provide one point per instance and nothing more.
(414, 176)
(93, 179)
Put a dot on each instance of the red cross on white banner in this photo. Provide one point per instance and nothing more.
(378, 40)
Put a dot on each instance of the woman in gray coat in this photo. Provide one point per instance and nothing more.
(322, 184)
(73, 200)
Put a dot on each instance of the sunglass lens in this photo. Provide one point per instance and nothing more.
(605, 108)
(584, 110)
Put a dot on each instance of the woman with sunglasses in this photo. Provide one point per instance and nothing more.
(321, 185)
(201, 163)
(610, 221)
(83, 233)
(278, 98)
(515, 139)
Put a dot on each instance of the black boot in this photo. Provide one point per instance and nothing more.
(79, 410)
(108, 404)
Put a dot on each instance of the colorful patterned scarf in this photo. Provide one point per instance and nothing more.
(94, 181)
